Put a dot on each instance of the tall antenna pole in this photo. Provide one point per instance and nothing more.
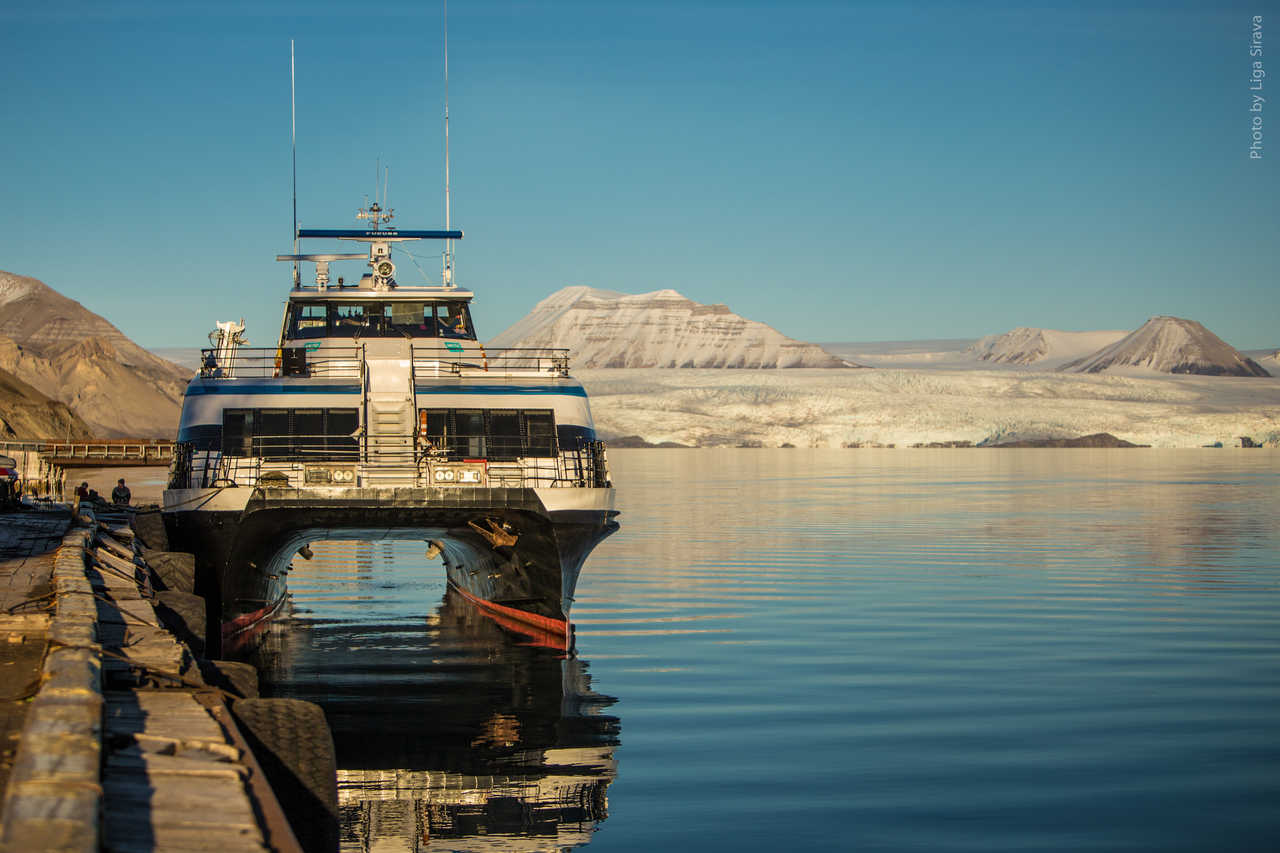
(448, 244)
(293, 132)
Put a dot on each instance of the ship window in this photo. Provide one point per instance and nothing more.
(497, 434)
(271, 433)
(392, 319)
(237, 431)
(380, 324)
(339, 428)
(289, 433)
(347, 319)
(436, 427)
(468, 435)
(504, 435)
(308, 430)
(310, 321)
(454, 321)
(540, 433)
(406, 319)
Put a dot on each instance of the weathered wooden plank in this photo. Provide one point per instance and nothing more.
(123, 611)
(215, 800)
(195, 838)
(107, 544)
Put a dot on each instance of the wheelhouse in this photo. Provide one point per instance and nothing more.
(372, 315)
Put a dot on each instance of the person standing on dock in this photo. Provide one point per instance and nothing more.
(82, 491)
(121, 494)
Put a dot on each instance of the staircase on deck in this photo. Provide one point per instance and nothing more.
(390, 421)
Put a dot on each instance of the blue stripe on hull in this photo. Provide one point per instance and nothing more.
(194, 390)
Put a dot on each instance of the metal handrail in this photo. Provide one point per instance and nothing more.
(299, 361)
(346, 361)
(511, 361)
(582, 467)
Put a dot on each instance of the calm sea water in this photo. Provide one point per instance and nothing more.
(858, 649)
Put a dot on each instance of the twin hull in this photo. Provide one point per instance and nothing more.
(245, 540)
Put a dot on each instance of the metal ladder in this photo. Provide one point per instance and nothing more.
(389, 422)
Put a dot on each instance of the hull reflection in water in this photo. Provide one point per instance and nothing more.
(452, 733)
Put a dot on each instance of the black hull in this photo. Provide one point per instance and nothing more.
(243, 557)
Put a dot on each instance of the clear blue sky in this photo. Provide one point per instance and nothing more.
(843, 171)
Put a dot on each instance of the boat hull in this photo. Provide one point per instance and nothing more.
(526, 572)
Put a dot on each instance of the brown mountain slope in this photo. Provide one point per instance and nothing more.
(71, 354)
(26, 413)
(113, 398)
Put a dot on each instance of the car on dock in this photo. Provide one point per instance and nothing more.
(10, 484)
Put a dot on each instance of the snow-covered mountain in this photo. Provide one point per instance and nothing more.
(1169, 345)
(1044, 347)
(602, 328)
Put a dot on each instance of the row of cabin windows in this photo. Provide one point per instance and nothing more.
(498, 434)
(380, 320)
(275, 433)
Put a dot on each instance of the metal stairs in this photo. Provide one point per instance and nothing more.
(389, 422)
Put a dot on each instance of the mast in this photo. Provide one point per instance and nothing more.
(447, 278)
(293, 134)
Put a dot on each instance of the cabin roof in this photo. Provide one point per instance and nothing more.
(333, 293)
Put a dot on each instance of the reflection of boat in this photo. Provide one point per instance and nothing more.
(456, 731)
(379, 412)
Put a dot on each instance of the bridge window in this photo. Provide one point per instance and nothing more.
(386, 319)
(454, 321)
(312, 320)
(496, 434)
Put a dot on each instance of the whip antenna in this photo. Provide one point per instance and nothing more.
(448, 244)
(293, 132)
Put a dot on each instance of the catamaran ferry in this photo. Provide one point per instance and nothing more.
(379, 414)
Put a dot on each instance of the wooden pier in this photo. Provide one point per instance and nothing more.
(125, 739)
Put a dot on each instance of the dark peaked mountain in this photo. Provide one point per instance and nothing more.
(1170, 345)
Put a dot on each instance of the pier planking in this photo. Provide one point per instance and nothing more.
(122, 725)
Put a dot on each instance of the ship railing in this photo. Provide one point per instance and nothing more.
(437, 360)
(346, 362)
(324, 462)
(293, 361)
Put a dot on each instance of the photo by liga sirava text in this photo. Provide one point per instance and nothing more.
(1257, 74)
